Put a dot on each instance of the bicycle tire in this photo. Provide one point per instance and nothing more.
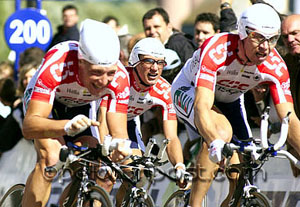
(256, 199)
(13, 197)
(96, 193)
(179, 198)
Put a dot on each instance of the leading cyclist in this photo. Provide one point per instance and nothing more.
(60, 100)
(217, 76)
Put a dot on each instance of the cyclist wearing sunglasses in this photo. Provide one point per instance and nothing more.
(224, 68)
(147, 90)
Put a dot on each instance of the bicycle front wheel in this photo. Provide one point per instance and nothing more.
(257, 200)
(13, 197)
(96, 197)
(179, 198)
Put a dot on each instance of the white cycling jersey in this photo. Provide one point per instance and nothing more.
(57, 78)
(141, 101)
(216, 66)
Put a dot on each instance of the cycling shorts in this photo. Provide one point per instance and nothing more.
(183, 96)
(134, 133)
(61, 111)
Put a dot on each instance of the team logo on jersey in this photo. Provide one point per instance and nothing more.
(245, 76)
(204, 69)
(256, 77)
(41, 90)
(85, 92)
(26, 97)
(149, 101)
(183, 102)
(131, 98)
(286, 87)
(72, 91)
(40, 82)
(141, 100)
(232, 72)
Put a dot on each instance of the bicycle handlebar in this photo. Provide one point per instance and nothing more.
(260, 152)
(264, 131)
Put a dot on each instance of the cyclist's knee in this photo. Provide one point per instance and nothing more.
(46, 160)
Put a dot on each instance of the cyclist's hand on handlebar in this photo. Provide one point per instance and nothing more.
(215, 150)
(105, 172)
(78, 124)
(121, 153)
(183, 177)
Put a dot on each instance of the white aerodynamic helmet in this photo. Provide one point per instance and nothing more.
(146, 46)
(261, 17)
(98, 43)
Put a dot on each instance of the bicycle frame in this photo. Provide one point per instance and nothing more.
(81, 182)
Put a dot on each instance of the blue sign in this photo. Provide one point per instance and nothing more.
(27, 28)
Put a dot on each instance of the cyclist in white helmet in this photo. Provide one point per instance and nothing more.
(208, 92)
(149, 90)
(60, 100)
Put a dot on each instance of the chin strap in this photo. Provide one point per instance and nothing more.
(141, 81)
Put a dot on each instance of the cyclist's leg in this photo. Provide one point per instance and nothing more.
(183, 98)
(124, 186)
(236, 114)
(137, 147)
(232, 178)
(205, 169)
(38, 185)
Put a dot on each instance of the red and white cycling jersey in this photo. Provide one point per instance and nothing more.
(141, 101)
(216, 66)
(57, 78)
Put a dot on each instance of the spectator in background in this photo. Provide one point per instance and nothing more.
(6, 71)
(113, 22)
(32, 55)
(7, 91)
(205, 26)
(134, 39)
(69, 30)
(228, 19)
(124, 54)
(290, 31)
(156, 24)
(18, 156)
(208, 24)
(10, 130)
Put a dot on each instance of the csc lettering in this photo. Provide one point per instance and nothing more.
(134, 110)
(57, 71)
(233, 84)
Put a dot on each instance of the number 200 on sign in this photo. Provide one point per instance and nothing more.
(31, 31)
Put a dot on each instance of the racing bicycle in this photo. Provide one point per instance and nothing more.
(83, 190)
(254, 154)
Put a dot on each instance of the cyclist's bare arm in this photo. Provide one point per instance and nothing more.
(37, 125)
(117, 124)
(103, 128)
(211, 125)
(174, 148)
(294, 123)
